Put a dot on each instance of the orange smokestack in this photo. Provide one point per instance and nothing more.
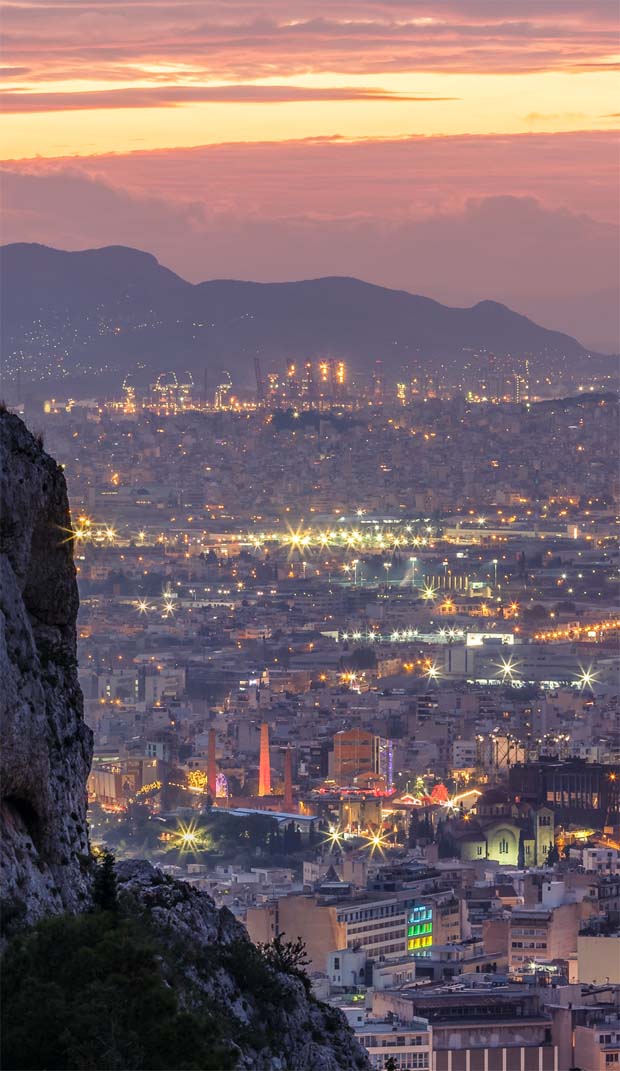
(264, 769)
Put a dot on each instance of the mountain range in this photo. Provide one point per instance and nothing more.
(97, 314)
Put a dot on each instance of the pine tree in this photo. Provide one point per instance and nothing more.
(105, 894)
(553, 856)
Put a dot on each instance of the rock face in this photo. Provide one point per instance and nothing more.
(46, 747)
(264, 1017)
(206, 956)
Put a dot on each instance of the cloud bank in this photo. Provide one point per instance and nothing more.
(558, 265)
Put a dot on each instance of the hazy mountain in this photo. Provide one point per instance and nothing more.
(105, 311)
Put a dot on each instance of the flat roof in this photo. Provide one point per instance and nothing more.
(385, 1026)
(278, 815)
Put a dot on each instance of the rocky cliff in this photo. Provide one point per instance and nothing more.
(46, 747)
(259, 1016)
(266, 1016)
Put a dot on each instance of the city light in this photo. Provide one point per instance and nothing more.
(335, 837)
(587, 678)
(432, 672)
(188, 838)
(376, 842)
(346, 636)
(507, 669)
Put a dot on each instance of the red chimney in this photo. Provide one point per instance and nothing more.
(264, 769)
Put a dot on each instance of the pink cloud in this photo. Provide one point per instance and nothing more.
(557, 264)
(400, 179)
(237, 40)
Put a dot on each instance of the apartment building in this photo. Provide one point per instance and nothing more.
(542, 933)
(408, 1045)
(385, 925)
(481, 1027)
(597, 1045)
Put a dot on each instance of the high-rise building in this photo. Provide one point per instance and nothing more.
(358, 752)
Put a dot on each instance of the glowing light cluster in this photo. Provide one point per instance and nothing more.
(588, 631)
(88, 531)
(404, 635)
(374, 536)
(197, 780)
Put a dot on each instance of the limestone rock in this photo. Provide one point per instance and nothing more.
(46, 747)
(207, 958)
(266, 1016)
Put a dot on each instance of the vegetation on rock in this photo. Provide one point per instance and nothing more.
(88, 992)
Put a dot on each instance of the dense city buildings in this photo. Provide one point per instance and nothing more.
(309, 536)
(352, 667)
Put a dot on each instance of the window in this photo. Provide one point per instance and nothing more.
(503, 846)
(337, 963)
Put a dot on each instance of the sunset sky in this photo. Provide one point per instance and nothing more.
(463, 149)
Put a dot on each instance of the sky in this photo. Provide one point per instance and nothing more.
(462, 149)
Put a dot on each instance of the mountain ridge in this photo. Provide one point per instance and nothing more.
(101, 311)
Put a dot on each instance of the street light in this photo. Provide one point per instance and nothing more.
(355, 565)
(495, 570)
(386, 566)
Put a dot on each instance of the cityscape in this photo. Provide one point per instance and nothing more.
(355, 657)
(309, 585)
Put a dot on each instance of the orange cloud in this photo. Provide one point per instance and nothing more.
(171, 96)
(184, 71)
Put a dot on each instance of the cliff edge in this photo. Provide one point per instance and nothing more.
(247, 1010)
(46, 747)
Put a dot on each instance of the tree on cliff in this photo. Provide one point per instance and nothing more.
(88, 992)
(105, 893)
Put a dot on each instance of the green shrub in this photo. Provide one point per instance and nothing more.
(87, 993)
